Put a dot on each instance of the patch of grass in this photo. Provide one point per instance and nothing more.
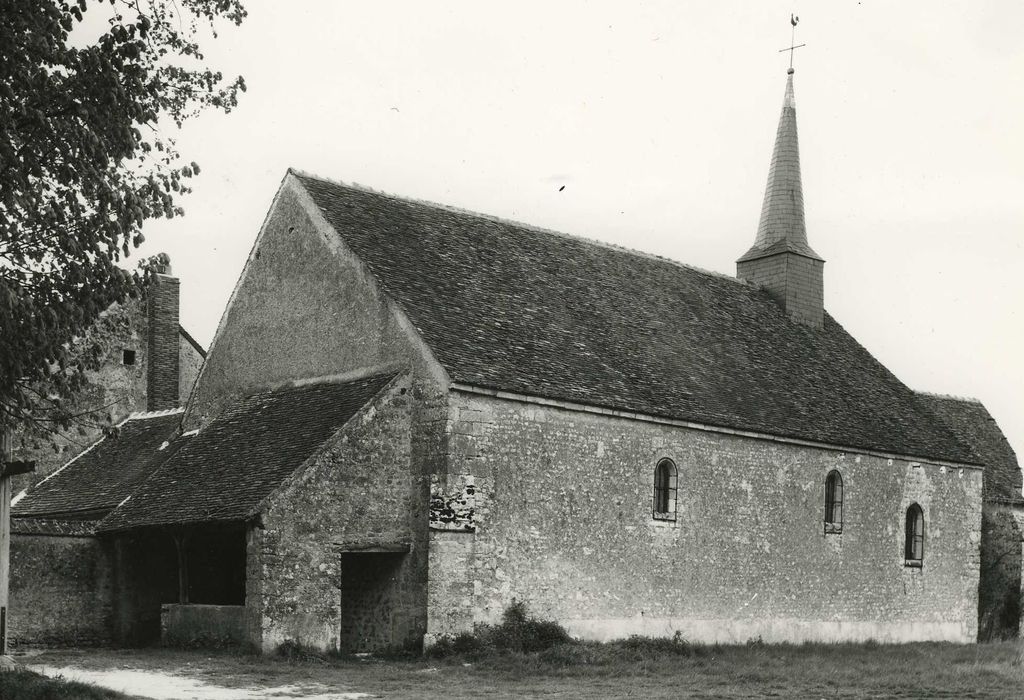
(651, 668)
(26, 685)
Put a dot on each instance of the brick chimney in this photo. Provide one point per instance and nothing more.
(780, 260)
(162, 346)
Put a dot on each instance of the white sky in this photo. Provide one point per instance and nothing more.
(659, 119)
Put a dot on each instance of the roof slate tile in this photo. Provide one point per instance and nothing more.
(224, 471)
(510, 307)
(107, 473)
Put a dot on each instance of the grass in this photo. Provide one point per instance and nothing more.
(26, 685)
(526, 657)
(636, 667)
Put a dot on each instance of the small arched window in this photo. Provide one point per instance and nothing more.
(914, 544)
(665, 490)
(833, 502)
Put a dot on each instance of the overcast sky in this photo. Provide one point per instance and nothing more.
(658, 118)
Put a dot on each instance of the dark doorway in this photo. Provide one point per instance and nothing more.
(216, 566)
(371, 610)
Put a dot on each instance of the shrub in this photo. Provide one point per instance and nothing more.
(659, 646)
(518, 632)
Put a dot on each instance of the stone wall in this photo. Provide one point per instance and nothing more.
(190, 360)
(562, 510)
(357, 497)
(61, 591)
(115, 390)
(191, 625)
(304, 307)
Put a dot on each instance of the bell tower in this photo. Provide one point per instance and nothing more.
(781, 261)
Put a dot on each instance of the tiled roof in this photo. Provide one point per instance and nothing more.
(972, 423)
(62, 528)
(101, 477)
(223, 472)
(514, 308)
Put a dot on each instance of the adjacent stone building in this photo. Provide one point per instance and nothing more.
(131, 359)
(61, 583)
(412, 416)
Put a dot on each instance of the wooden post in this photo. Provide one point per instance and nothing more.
(180, 542)
(6, 450)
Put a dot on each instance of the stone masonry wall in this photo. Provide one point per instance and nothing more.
(306, 307)
(115, 388)
(562, 521)
(358, 493)
(61, 591)
(189, 362)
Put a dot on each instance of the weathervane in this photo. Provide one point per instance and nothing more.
(792, 41)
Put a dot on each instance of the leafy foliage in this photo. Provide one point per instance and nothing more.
(89, 92)
(518, 632)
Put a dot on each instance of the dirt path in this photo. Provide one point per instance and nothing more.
(157, 685)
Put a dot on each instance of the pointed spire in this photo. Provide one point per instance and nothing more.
(780, 260)
(782, 214)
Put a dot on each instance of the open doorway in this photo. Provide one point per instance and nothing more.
(372, 618)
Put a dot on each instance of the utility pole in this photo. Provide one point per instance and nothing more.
(8, 468)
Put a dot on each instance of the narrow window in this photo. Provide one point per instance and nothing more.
(833, 503)
(665, 490)
(914, 545)
(128, 357)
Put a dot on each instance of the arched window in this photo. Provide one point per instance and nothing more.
(833, 502)
(914, 545)
(665, 490)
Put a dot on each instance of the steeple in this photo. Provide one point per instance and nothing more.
(781, 260)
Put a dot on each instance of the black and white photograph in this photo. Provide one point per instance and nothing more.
(476, 349)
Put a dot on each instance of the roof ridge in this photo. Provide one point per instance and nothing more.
(949, 397)
(355, 375)
(146, 415)
(519, 224)
(191, 341)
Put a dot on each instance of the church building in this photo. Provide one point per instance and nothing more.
(413, 415)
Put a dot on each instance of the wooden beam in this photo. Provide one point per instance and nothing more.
(355, 546)
(15, 467)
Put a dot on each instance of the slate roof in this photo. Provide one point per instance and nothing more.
(781, 227)
(510, 307)
(971, 421)
(96, 481)
(224, 472)
(45, 526)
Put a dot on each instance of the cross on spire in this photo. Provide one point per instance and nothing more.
(793, 46)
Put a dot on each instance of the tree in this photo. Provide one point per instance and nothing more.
(87, 155)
